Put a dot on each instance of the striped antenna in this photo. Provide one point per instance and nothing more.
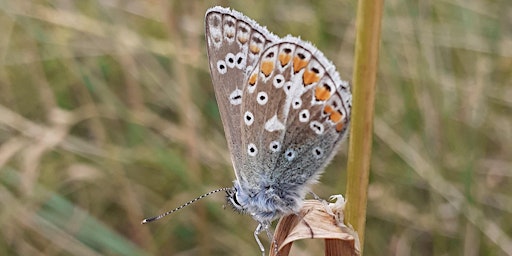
(183, 206)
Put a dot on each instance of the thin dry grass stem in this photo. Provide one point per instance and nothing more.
(317, 220)
(369, 16)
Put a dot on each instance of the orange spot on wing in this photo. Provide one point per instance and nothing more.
(284, 59)
(267, 67)
(243, 39)
(254, 49)
(328, 109)
(253, 78)
(339, 126)
(298, 64)
(321, 93)
(310, 77)
(335, 116)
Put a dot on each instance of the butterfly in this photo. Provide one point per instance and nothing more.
(284, 110)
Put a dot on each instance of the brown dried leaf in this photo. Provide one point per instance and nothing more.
(317, 220)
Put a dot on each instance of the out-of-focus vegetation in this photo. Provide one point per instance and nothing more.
(108, 115)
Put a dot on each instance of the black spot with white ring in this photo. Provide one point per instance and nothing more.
(252, 150)
(222, 67)
(289, 154)
(235, 98)
(317, 127)
(304, 115)
(274, 146)
(287, 87)
(318, 152)
(262, 98)
(297, 103)
(230, 60)
(248, 118)
(278, 81)
(240, 60)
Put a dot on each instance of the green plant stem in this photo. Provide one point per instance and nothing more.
(369, 15)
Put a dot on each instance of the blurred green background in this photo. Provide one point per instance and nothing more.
(108, 115)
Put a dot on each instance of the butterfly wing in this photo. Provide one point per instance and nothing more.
(234, 44)
(295, 113)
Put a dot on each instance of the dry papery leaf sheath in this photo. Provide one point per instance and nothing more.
(317, 220)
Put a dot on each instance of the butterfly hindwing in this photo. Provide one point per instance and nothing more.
(296, 110)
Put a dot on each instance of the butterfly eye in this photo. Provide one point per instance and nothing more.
(232, 198)
(235, 201)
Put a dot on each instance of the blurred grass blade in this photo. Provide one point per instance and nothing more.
(68, 226)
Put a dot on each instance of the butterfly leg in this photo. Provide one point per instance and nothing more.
(316, 197)
(324, 202)
(256, 233)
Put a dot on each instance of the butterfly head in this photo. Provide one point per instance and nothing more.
(231, 198)
(265, 203)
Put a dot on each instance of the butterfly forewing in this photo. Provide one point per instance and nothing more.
(234, 44)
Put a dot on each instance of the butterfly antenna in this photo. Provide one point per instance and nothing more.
(183, 205)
